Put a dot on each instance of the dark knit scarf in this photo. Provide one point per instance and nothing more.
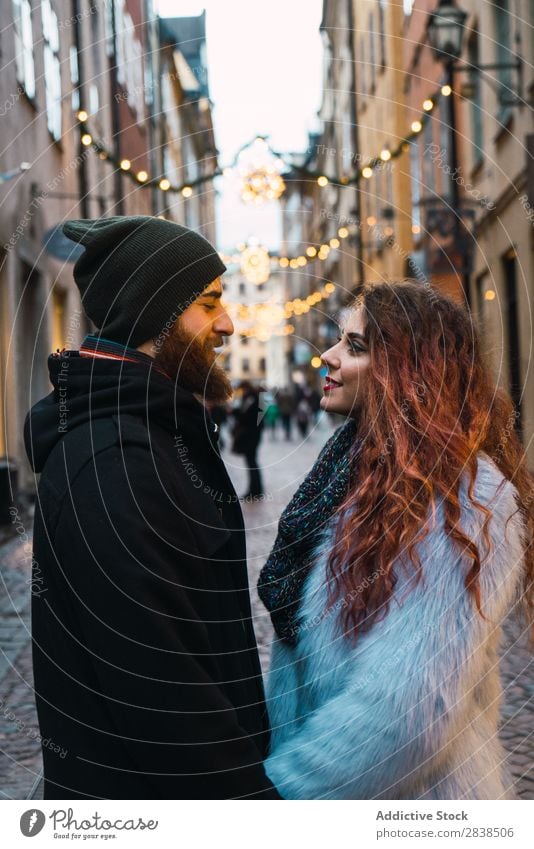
(299, 531)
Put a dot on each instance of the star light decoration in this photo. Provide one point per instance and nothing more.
(255, 263)
(258, 174)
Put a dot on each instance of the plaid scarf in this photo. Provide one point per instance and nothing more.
(299, 530)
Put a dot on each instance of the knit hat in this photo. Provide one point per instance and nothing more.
(139, 272)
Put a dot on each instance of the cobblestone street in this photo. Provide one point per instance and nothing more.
(284, 465)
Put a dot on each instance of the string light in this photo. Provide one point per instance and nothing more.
(268, 316)
(262, 179)
(126, 164)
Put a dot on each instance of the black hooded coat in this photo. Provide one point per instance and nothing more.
(145, 660)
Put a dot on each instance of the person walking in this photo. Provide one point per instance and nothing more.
(145, 660)
(285, 399)
(249, 427)
(396, 563)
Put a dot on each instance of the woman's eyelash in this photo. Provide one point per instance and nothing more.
(353, 347)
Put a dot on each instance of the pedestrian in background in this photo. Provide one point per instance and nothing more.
(285, 399)
(247, 436)
(271, 413)
(396, 563)
(303, 416)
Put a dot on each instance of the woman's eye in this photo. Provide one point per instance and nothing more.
(208, 307)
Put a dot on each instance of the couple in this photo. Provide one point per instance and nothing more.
(394, 566)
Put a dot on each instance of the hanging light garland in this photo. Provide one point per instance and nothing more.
(259, 173)
(311, 253)
(255, 263)
(268, 316)
(271, 184)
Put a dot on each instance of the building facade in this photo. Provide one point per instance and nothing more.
(80, 98)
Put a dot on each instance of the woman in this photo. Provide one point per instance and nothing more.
(395, 564)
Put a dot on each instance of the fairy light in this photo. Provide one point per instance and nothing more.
(261, 176)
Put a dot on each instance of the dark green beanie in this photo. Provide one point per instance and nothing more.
(138, 273)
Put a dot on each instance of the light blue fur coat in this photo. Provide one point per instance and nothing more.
(411, 710)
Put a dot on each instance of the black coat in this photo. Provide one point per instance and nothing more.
(145, 660)
(249, 424)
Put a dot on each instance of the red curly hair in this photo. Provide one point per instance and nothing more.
(429, 407)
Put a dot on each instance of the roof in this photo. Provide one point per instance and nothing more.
(189, 35)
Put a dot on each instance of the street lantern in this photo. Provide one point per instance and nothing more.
(446, 31)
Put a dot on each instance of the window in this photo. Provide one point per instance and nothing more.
(476, 103)
(503, 56)
(429, 167)
(241, 288)
(262, 365)
(129, 59)
(74, 78)
(363, 69)
(372, 54)
(245, 365)
(415, 167)
(382, 31)
(442, 160)
(52, 69)
(22, 27)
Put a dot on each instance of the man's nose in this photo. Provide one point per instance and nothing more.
(224, 324)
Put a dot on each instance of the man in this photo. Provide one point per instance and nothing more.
(145, 660)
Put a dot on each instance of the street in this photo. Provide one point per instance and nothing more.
(284, 465)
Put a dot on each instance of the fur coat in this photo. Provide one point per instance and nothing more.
(410, 711)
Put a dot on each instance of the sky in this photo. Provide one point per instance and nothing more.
(265, 77)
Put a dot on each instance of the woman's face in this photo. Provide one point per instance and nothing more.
(348, 363)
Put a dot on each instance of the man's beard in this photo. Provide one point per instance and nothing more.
(192, 365)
